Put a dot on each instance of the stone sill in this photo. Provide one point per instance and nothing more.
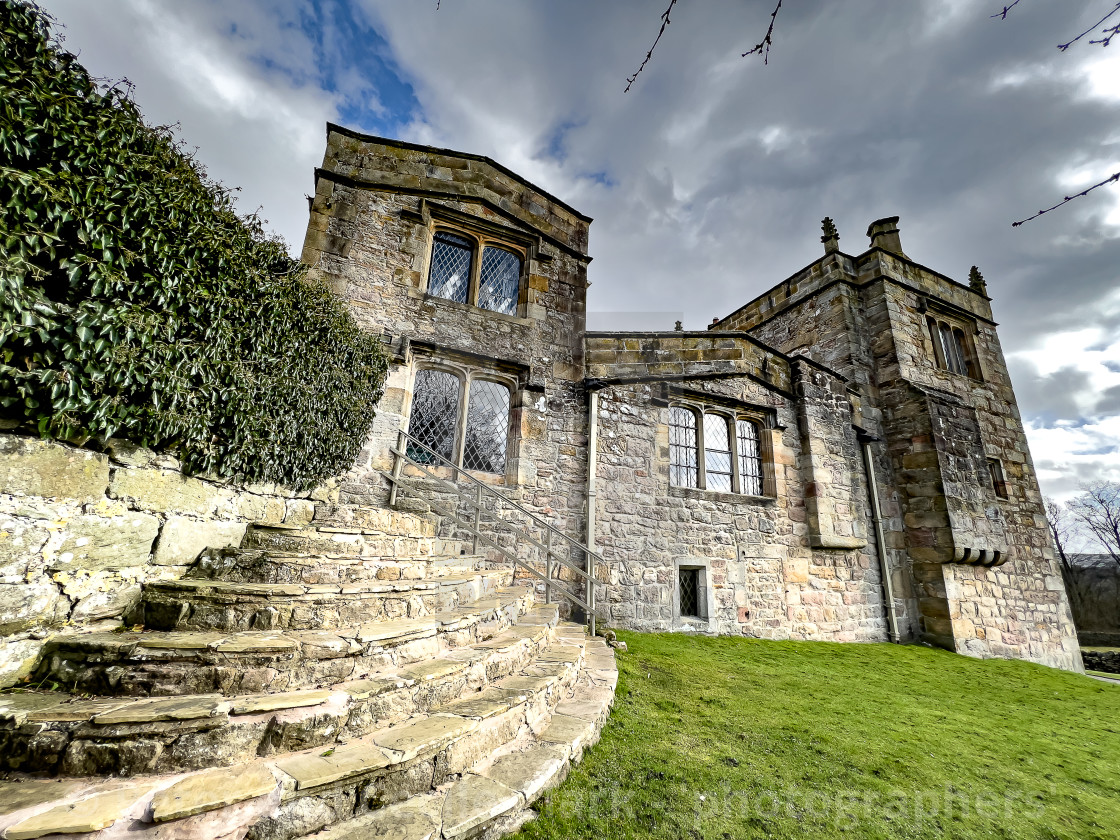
(416, 294)
(719, 496)
(829, 541)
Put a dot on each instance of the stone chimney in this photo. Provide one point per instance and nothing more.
(831, 238)
(884, 234)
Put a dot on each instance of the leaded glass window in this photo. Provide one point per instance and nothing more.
(499, 281)
(717, 453)
(487, 427)
(750, 458)
(435, 414)
(689, 588)
(683, 461)
(450, 273)
(951, 347)
(953, 350)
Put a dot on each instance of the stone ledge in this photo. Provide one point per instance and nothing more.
(836, 543)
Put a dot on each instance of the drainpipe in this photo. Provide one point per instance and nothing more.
(880, 543)
(592, 447)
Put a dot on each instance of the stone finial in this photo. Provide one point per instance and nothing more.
(678, 327)
(976, 282)
(831, 238)
(884, 234)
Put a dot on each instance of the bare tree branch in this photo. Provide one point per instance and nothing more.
(1003, 15)
(1063, 528)
(763, 46)
(1115, 176)
(1098, 509)
(1112, 30)
(649, 55)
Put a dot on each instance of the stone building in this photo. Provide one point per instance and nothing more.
(840, 458)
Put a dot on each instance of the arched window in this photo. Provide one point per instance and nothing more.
(683, 460)
(750, 458)
(484, 448)
(435, 413)
(449, 275)
(717, 453)
(499, 280)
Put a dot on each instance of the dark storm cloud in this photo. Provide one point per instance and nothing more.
(709, 179)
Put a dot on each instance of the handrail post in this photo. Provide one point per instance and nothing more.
(547, 566)
(591, 588)
(477, 516)
(397, 464)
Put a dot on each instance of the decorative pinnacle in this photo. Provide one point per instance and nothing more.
(678, 327)
(976, 282)
(831, 238)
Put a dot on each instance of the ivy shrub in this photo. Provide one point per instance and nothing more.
(135, 301)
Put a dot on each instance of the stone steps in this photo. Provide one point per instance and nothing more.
(169, 664)
(373, 519)
(78, 736)
(267, 566)
(351, 541)
(202, 604)
(464, 765)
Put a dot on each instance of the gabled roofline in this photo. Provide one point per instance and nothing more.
(417, 147)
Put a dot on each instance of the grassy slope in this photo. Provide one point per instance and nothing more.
(730, 738)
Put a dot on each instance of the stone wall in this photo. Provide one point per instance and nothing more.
(82, 530)
(764, 578)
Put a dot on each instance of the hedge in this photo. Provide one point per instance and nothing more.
(135, 301)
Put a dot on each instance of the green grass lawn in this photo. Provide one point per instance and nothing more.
(729, 738)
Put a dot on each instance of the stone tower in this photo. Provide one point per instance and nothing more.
(963, 516)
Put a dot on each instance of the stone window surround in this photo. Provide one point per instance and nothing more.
(761, 420)
(705, 594)
(999, 478)
(467, 374)
(480, 239)
(935, 318)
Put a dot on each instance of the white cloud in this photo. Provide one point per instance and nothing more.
(708, 180)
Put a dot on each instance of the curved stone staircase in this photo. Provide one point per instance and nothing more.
(362, 675)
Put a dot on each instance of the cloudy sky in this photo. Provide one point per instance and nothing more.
(708, 180)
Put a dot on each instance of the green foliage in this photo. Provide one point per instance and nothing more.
(135, 302)
(743, 738)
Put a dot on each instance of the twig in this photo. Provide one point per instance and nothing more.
(763, 47)
(1115, 176)
(649, 55)
(1003, 15)
(1104, 41)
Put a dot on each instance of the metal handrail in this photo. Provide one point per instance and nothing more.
(401, 457)
(450, 485)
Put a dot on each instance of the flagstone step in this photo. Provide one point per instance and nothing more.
(268, 566)
(458, 774)
(56, 732)
(154, 663)
(376, 519)
(351, 541)
(202, 604)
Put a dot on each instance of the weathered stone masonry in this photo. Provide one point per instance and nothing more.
(840, 367)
